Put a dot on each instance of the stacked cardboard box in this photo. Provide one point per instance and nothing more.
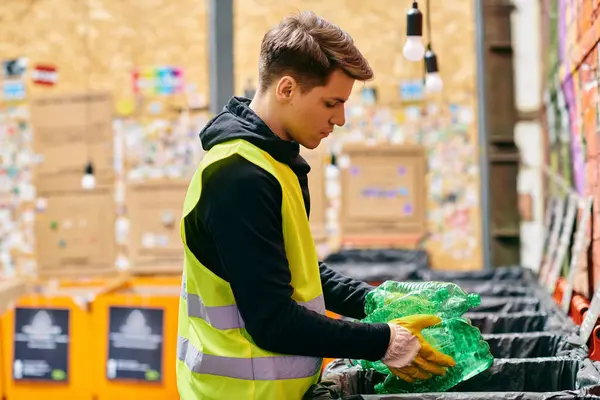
(74, 227)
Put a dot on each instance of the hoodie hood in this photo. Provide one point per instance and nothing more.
(238, 121)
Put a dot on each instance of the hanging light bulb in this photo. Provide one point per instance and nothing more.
(413, 48)
(88, 181)
(433, 80)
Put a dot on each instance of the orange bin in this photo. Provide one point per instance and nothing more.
(327, 361)
(2, 385)
(578, 309)
(559, 290)
(135, 340)
(41, 356)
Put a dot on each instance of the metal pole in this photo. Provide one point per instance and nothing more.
(220, 53)
(482, 135)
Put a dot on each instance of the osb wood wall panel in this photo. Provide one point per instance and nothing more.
(378, 28)
(95, 44)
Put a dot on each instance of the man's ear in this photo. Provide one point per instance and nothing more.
(286, 88)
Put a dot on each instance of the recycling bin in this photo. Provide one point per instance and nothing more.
(379, 265)
(535, 345)
(526, 321)
(135, 337)
(500, 274)
(375, 273)
(531, 379)
(508, 304)
(2, 355)
(10, 291)
(408, 257)
(41, 356)
(496, 289)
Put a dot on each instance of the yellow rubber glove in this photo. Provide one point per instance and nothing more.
(410, 356)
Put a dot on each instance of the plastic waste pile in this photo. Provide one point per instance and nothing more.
(454, 336)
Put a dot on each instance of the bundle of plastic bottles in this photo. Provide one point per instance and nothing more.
(454, 336)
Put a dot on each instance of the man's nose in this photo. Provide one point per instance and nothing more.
(339, 118)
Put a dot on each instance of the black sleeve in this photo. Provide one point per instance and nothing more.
(244, 219)
(343, 295)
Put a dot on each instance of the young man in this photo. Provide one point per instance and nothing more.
(252, 321)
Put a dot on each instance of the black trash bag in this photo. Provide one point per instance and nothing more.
(535, 345)
(521, 322)
(508, 304)
(552, 374)
(513, 273)
(342, 382)
(367, 272)
(524, 379)
(408, 257)
(379, 265)
(592, 393)
(498, 289)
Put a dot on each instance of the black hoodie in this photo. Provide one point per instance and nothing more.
(236, 231)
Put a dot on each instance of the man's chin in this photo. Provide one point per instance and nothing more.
(312, 145)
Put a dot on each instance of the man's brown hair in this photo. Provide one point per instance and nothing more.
(309, 49)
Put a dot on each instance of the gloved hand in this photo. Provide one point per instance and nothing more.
(409, 356)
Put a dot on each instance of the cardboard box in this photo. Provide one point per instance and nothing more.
(70, 131)
(154, 209)
(383, 194)
(75, 235)
(318, 160)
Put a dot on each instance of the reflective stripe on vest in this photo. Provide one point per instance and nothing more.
(257, 368)
(228, 317)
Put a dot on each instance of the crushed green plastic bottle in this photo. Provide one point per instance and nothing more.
(454, 336)
(447, 299)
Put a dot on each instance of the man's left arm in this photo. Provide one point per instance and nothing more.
(343, 295)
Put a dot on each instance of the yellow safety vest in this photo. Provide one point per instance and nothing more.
(217, 358)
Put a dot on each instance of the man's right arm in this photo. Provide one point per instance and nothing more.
(241, 210)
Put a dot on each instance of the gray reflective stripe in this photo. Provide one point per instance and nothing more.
(228, 317)
(317, 304)
(222, 317)
(258, 368)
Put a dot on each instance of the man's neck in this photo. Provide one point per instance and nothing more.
(261, 105)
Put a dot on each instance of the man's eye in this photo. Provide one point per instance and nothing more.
(330, 105)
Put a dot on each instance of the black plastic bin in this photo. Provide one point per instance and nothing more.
(379, 265)
(532, 379)
(497, 289)
(376, 272)
(526, 321)
(416, 258)
(535, 345)
(513, 273)
(508, 304)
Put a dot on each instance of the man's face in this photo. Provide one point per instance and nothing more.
(311, 116)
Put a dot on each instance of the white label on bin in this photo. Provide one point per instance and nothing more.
(580, 245)
(563, 246)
